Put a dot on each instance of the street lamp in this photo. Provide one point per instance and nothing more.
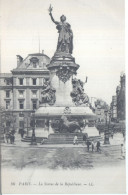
(33, 139)
(109, 114)
(106, 130)
(27, 124)
(110, 126)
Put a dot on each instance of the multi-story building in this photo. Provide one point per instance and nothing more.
(20, 91)
(118, 101)
(6, 90)
(113, 108)
(100, 107)
(120, 92)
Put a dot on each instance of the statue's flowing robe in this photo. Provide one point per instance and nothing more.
(65, 35)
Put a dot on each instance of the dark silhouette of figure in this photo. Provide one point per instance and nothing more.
(84, 139)
(88, 145)
(22, 133)
(7, 136)
(98, 146)
(92, 146)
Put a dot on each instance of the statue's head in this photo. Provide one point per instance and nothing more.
(63, 18)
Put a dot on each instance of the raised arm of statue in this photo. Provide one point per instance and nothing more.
(53, 19)
(50, 13)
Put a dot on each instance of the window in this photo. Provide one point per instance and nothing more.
(34, 94)
(34, 105)
(21, 81)
(34, 81)
(7, 94)
(21, 94)
(21, 114)
(21, 104)
(8, 123)
(7, 104)
(34, 65)
(7, 82)
(34, 61)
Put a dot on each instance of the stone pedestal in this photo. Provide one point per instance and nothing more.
(63, 65)
(62, 69)
(91, 131)
(63, 90)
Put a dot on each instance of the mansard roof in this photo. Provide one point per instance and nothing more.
(26, 64)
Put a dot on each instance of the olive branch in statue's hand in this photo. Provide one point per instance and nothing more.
(50, 9)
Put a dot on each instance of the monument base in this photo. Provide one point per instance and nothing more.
(91, 131)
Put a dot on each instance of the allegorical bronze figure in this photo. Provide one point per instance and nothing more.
(65, 39)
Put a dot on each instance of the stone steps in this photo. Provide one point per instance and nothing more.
(61, 140)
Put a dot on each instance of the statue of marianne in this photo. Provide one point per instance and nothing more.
(65, 39)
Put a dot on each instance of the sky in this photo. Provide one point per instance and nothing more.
(98, 29)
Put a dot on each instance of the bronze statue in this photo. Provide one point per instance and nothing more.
(65, 39)
(48, 94)
(78, 95)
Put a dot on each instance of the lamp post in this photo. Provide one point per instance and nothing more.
(106, 130)
(109, 114)
(110, 126)
(33, 139)
(27, 124)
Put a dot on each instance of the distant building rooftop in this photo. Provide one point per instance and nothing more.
(35, 61)
(3, 75)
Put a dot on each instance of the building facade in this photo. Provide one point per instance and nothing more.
(118, 103)
(120, 92)
(20, 91)
(113, 108)
(100, 107)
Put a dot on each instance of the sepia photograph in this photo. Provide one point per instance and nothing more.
(63, 97)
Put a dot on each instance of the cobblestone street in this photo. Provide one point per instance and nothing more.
(61, 157)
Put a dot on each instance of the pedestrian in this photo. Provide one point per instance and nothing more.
(42, 142)
(88, 144)
(84, 139)
(92, 144)
(112, 135)
(13, 138)
(22, 133)
(7, 137)
(98, 146)
(122, 151)
(123, 134)
(75, 140)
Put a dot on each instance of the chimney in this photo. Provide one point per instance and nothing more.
(42, 51)
(19, 60)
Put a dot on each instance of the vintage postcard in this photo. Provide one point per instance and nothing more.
(62, 97)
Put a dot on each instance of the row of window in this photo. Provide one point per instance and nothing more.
(21, 81)
(21, 104)
(21, 94)
(34, 93)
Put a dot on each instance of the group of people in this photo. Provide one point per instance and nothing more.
(9, 137)
(88, 143)
(93, 145)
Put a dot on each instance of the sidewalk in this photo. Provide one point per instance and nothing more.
(28, 145)
(116, 141)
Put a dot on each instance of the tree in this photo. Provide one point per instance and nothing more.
(7, 121)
